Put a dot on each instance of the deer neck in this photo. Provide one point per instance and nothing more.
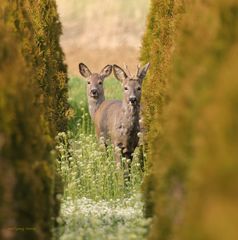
(94, 104)
(130, 115)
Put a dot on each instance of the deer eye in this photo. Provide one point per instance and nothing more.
(100, 83)
(139, 88)
(88, 82)
(125, 88)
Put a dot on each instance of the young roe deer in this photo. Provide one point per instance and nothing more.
(118, 121)
(95, 91)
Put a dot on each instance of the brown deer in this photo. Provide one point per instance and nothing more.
(118, 121)
(95, 91)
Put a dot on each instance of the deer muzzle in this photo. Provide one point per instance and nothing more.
(132, 100)
(94, 93)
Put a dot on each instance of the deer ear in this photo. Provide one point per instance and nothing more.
(142, 71)
(119, 73)
(106, 71)
(84, 71)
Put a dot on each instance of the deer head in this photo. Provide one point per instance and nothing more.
(95, 80)
(131, 84)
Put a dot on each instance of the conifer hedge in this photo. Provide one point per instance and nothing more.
(157, 48)
(33, 107)
(193, 177)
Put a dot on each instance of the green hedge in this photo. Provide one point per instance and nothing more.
(193, 151)
(157, 48)
(33, 108)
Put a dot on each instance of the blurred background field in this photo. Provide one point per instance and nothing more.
(101, 32)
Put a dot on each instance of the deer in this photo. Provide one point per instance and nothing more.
(118, 121)
(95, 90)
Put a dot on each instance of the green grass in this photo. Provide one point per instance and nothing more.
(88, 170)
(92, 183)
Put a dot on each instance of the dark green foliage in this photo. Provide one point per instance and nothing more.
(193, 152)
(33, 106)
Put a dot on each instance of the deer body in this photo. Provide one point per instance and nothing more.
(115, 121)
(118, 121)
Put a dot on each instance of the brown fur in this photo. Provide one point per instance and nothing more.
(118, 121)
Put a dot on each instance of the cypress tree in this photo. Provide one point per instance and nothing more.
(33, 108)
(193, 145)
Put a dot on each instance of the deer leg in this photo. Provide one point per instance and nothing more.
(104, 145)
(141, 158)
(117, 155)
(127, 166)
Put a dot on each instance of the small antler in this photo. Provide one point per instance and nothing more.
(138, 69)
(127, 70)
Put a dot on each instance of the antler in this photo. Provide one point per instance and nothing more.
(138, 69)
(127, 70)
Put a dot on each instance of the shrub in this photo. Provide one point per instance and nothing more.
(193, 147)
(157, 48)
(33, 106)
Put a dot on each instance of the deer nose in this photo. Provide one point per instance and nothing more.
(132, 99)
(94, 91)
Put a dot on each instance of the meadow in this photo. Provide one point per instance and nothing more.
(96, 204)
